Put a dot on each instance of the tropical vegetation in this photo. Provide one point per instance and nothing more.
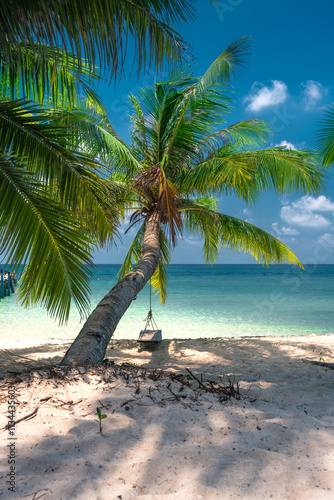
(55, 201)
(180, 160)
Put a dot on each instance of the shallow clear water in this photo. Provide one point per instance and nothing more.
(203, 301)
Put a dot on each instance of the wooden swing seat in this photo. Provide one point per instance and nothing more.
(150, 336)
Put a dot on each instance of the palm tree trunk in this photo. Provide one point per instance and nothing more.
(91, 343)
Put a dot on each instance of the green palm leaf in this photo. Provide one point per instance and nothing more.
(196, 216)
(325, 137)
(285, 171)
(248, 173)
(96, 31)
(34, 227)
(229, 64)
(49, 77)
(249, 133)
(134, 253)
(159, 278)
(95, 131)
(220, 230)
(67, 172)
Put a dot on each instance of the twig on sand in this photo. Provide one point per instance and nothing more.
(178, 398)
(36, 493)
(27, 417)
(225, 392)
(132, 375)
(127, 402)
(194, 377)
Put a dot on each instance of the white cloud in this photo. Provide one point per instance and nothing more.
(287, 231)
(303, 212)
(320, 204)
(326, 239)
(263, 96)
(287, 145)
(313, 93)
(246, 211)
(307, 219)
(276, 228)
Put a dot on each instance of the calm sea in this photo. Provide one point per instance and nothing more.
(203, 301)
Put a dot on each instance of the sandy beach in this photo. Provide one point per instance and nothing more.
(170, 436)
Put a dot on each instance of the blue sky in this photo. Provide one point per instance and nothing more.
(288, 82)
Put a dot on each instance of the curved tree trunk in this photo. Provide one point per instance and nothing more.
(91, 343)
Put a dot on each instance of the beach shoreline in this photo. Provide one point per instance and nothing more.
(161, 441)
(31, 353)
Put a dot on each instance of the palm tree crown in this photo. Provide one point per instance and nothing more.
(184, 160)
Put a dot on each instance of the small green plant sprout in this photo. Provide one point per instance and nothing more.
(100, 417)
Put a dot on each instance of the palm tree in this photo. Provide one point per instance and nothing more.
(182, 161)
(53, 195)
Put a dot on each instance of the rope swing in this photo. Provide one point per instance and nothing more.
(151, 333)
(150, 321)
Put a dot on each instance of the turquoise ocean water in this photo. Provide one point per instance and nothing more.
(203, 301)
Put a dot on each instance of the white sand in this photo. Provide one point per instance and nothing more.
(276, 442)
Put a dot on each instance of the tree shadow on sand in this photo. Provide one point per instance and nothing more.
(277, 441)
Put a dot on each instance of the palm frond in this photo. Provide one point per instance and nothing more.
(229, 64)
(285, 171)
(49, 77)
(138, 135)
(69, 173)
(159, 278)
(197, 218)
(325, 136)
(220, 230)
(225, 171)
(34, 227)
(248, 173)
(249, 133)
(98, 31)
(99, 137)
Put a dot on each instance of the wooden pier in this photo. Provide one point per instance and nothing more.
(7, 283)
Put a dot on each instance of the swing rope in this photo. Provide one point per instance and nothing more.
(149, 318)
